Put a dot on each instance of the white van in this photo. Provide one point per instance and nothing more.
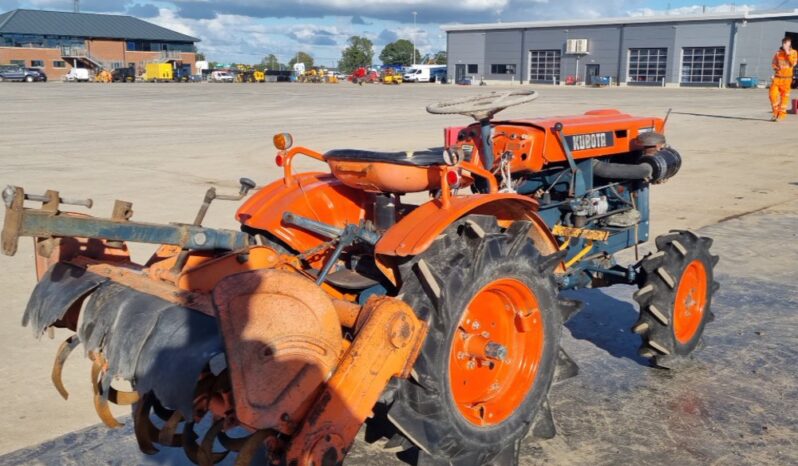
(80, 75)
(220, 77)
(420, 73)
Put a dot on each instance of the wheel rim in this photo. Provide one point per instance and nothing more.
(691, 300)
(502, 319)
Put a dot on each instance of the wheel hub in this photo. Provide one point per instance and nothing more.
(690, 303)
(495, 353)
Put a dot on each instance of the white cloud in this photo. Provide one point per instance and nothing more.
(694, 10)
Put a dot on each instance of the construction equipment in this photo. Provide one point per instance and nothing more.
(124, 75)
(362, 75)
(103, 77)
(340, 301)
(248, 74)
(391, 76)
(314, 75)
(168, 72)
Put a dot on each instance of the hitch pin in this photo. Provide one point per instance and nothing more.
(10, 193)
(87, 203)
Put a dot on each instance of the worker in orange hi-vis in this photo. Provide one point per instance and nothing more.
(784, 62)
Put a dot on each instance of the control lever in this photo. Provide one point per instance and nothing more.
(9, 193)
(247, 185)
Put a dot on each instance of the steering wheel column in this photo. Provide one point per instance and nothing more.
(482, 108)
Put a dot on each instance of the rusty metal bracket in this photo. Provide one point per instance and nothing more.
(48, 222)
(386, 346)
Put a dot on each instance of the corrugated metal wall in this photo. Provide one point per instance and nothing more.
(755, 43)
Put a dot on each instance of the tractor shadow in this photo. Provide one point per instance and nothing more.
(606, 321)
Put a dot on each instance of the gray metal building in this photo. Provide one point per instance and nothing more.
(705, 50)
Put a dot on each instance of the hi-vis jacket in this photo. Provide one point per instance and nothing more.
(783, 63)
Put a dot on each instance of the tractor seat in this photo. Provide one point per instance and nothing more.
(387, 172)
(424, 158)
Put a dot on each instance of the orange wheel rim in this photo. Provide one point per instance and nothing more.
(496, 352)
(691, 301)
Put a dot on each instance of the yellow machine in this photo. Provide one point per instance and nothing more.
(317, 75)
(390, 76)
(248, 74)
(155, 72)
(103, 77)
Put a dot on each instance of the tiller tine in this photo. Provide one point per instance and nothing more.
(61, 356)
(100, 401)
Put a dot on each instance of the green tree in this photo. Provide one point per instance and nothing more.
(271, 62)
(399, 52)
(440, 58)
(360, 52)
(301, 57)
(199, 55)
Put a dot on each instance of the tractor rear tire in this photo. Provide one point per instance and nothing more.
(675, 297)
(483, 284)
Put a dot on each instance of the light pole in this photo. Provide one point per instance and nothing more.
(415, 13)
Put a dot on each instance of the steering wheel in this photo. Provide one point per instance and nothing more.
(483, 107)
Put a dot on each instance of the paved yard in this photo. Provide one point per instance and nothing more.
(161, 146)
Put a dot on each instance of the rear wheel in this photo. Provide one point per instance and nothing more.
(675, 297)
(483, 376)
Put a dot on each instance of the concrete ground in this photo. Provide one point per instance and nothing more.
(161, 146)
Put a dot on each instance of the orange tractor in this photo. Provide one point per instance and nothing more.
(339, 302)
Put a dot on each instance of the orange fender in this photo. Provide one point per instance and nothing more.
(417, 230)
(318, 196)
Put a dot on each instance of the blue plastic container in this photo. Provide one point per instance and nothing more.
(747, 83)
(600, 81)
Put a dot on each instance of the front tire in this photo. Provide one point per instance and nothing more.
(675, 297)
(482, 378)
(28, 79)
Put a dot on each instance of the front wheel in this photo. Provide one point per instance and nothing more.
(675, 297)
(28, 79)
(482, 378)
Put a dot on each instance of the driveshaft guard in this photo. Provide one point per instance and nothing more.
(60, 288)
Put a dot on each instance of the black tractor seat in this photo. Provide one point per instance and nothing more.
(423, 158)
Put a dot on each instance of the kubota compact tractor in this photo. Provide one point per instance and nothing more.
(339, 301)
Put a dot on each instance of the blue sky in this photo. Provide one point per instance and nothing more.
(244, 31)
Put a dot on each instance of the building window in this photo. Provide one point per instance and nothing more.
(59, 64)
(544, 65)
(17, 62)
(502, 69)
(473, 69)
(647, 66)
(702, 65)
(37, 63)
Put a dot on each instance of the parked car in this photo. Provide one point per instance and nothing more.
(18, 73)
(77, 75)
(124, 75)
(221, 77)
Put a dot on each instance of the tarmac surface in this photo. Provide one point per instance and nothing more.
(161, 146)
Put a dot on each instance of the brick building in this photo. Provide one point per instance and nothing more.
(58, 41)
